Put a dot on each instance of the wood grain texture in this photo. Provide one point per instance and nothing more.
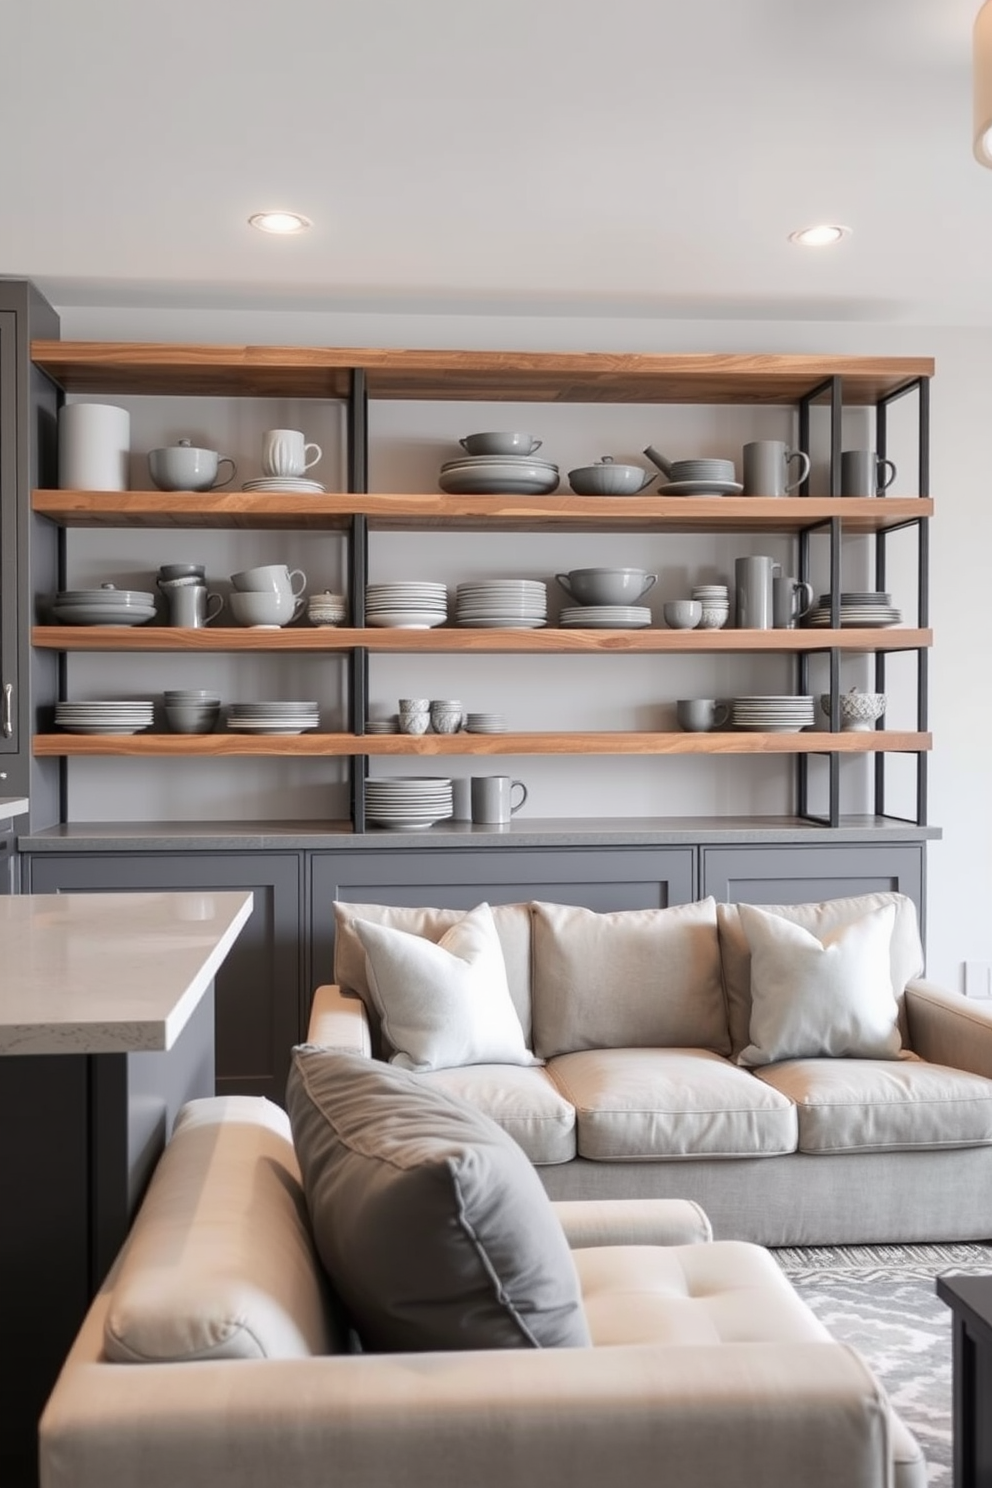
(580, 377)
(423, 511)
(446, 640)
(151, 745)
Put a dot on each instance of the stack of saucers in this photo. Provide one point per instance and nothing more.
(99, 717)
(294, 483)
(486, 723)
(606, 617)
(407, 604)
(870, 608)
(408, 803)
(772, 715)
(273, 718)
(510, 604)
(383, 725)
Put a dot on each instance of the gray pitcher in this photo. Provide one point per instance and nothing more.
(754, 599)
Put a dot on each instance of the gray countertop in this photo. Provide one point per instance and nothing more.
(338, 836)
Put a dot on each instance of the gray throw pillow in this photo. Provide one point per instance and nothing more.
(432, 1224)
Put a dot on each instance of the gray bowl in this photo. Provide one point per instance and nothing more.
(607, 478)
(606, 586)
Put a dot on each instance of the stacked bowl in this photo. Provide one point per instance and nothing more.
(715, 600)
(191, 710)
(107, 605)
(326, 608)
(406, 604)
(510, 604)
(408, 803)
(499, 462)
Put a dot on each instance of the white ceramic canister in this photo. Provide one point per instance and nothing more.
(94, 447)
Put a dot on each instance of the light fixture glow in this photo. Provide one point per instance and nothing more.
(981, 65)
(820, 236)
(279, 222)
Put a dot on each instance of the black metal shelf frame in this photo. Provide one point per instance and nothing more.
(831, 388)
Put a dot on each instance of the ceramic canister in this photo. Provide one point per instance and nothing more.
(94, 447)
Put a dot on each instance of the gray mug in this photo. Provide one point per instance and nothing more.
(492, 798)
(863, 473)
(791, 599)
(699, 715)
(192, 606)
(766, 467)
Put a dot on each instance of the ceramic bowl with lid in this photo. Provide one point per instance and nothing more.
(609, 478)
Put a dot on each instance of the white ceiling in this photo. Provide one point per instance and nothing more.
(595, 157)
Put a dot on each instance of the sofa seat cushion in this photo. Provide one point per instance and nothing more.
(642, 1104)
(526, 1103)
(725, 1292)
(872, 1105)
(636, 978)
(220, 1263)
(435, 1229)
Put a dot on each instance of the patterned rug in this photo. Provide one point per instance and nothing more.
(881, 1300)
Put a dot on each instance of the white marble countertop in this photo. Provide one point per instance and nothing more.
(109, 973)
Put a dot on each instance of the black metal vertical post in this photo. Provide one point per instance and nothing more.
(358, 567)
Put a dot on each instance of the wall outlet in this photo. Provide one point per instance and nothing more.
(977, 979)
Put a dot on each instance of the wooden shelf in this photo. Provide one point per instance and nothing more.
(518, 377)
(176, 746)
(424, 511)
(450, 641)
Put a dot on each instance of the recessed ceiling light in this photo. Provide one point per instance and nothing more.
(819, 236)
(279, 222)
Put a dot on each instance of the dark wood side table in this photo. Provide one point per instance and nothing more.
(970, 1301)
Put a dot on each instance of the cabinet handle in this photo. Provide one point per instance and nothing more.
(8, 711)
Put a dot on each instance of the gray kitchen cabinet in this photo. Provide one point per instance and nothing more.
(8, 860)
(781, 874)
(260, 1004)
(28, 547)
(458, 878)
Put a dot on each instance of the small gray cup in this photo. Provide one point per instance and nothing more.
(700, 715)
(492, 798)
(863, 473)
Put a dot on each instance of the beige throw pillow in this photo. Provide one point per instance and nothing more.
(820, 996)
(431, 1221)
(446, 1003)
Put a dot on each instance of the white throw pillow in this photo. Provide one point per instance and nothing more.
(444, 1003)
(813, 997)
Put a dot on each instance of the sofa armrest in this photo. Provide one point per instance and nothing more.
(805, 1412)
(593, 1222)
(338, 1020)
(949, 1028)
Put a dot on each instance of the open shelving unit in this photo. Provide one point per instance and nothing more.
(358, 376)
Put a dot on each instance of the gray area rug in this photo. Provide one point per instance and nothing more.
(881, 1300)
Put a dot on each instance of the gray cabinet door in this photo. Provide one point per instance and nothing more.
(259, 989)
(459, 878)
(805, 874)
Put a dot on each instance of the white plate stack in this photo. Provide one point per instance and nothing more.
(772, 715)
(407, 604)
(273, 717)
(292, 483)
(104, 606)
(510, 604)
(606, 617)
(514, 475)
(99, 717)
(408, 803)
(871, 608)
(485, 723)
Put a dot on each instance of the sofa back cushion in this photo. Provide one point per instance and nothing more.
(637, 978)
(905, 951)
(220, 1263)
(512, 926)
(434, 1227)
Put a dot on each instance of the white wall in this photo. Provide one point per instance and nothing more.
(409, 442)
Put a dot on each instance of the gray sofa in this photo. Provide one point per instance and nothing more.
(641, 1019)
(213, 1358)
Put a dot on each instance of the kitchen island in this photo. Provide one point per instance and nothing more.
(106, 1028)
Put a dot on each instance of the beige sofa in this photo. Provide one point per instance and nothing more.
(641, 1093)
(213, 1358)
